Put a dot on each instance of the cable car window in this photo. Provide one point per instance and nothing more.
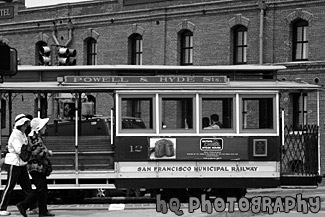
(136, 113)
(217, 113)
(177, 113)
(257, 113)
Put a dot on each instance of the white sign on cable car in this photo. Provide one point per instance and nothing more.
(146, 79)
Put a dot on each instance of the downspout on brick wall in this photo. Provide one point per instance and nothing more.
(165, 35)
(54, 34)
(262, 6)
(70, 27)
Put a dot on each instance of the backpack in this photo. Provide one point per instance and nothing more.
(25, 152)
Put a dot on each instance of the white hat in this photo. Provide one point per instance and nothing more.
(20, 120)
(37, 124)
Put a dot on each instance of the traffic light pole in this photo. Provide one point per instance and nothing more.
(54, 54)
(8, 61)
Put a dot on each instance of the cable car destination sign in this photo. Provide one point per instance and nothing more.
(146, 79)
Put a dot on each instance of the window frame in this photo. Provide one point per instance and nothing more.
(303, 24)
(136, 41)
(146, 131)
(177, 96)
(240, 48)
(196, 97)
(299, 109)
(274, 98)
(186, 48)
(91, 47)
(218, 96)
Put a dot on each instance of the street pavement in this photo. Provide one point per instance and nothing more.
(99, 210)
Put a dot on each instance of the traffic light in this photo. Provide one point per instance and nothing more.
(8, 60)
(72, 55)
(44, 55)
(66, 57)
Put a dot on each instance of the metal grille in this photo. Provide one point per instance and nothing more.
(300, 151)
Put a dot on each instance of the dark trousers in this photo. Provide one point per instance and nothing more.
(17, 174)
(39, 180)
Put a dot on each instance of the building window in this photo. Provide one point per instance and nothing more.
(136, 113)
(91, 51)
(217, 113)
(240, 45)
(177, 113)
(299, 110)
(136, 49)
(186, 47)
(258, 113)
(300, 40)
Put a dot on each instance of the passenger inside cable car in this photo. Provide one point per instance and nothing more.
(215, 123)
(205, 122)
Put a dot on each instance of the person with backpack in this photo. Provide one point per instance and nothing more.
(17, 169)
(39, 166)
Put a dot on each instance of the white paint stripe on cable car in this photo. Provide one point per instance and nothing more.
(115, 206)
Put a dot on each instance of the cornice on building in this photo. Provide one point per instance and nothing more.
(125, 16)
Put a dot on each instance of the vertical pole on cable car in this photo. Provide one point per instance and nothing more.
(113, 118)
(39, 105)
(282, 139)
(112, 126)
(318, 139)
(10, 111)
(282, 127)
(76, 136)
(0, 135)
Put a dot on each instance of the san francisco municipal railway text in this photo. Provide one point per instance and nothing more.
(198, 169)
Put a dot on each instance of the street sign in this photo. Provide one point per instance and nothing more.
(6, 12)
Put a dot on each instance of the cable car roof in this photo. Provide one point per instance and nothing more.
(231, 85)
(245, 67)
(191, 72)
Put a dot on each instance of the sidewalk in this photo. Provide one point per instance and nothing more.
(306, 192)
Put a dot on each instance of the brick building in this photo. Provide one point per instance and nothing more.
(178, 32)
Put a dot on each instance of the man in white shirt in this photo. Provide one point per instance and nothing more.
(215, 123)
(17, 171)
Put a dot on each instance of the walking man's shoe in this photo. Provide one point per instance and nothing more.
(4, 213)
(33, 211)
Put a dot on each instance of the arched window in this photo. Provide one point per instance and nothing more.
(240, 44)
(135, 41)
(91, 45)
(300, 40)
(186, 38)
